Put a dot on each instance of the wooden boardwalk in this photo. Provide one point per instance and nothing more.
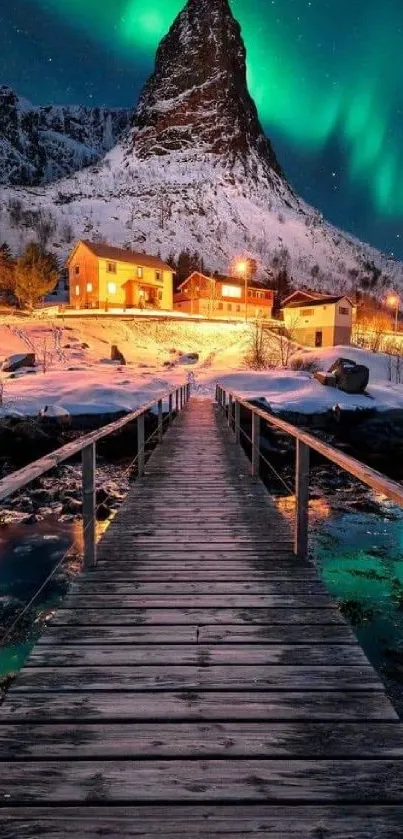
(199, 681)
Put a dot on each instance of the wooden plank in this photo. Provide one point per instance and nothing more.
(165, 821)
(198, 617)
(208, 780)
(316, 634)
(52, 655)
(78, 600)
(203, 677)
(235, 739)
(196, 705)
(199, 587)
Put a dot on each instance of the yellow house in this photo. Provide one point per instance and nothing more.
(105, 277)
(316, 320)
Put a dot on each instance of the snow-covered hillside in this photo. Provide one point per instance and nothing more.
(42, 144)
(196, 172)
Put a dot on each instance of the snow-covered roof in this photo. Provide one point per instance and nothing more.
(222, 278)
(105, 251)
(322, 301)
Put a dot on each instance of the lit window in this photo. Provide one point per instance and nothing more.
(111, 288)
(158, 276)
(77, 269)
(89, 287)
(140, 273)
(111, 267)
(231, 291)
(77, 290)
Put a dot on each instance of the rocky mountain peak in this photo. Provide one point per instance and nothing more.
(197, 96)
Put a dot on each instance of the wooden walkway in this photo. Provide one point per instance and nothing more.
(199, 681)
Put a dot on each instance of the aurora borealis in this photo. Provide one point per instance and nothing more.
(326, 76)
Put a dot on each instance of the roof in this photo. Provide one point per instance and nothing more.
(324, 301)
(105, 251)
(221, 278)
(302, 292)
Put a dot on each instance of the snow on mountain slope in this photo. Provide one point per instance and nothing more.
(42, 144)
(196, 171)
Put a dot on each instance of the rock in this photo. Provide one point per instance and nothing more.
(116, 355)
(16, 362)
(55, 413)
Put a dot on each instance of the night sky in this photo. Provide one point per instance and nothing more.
(326, 75)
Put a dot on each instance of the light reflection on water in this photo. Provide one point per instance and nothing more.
(360, 559)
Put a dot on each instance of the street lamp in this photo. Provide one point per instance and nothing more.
(241, 268)
(394, 301)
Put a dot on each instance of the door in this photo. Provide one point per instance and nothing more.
(129, 294)
(318, 339)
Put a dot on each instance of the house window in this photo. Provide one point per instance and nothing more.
(111, 267)
(231, 291)
(343, 310)
(307, 313)
(76, 269)
(158, 276)
(77, 290)
(89, 287)
(111, 288)
(229, 307)
(238, 308)
(220, 306)
(140, 273)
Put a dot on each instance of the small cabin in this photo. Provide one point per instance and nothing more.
(315, 320)
(105, 277)
(224, 297)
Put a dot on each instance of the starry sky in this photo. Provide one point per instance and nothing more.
(326, 76)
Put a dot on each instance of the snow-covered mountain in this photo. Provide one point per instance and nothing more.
(195, 171)
(42, 144)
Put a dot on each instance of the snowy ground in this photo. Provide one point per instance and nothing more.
(81, 379)
(286, 390)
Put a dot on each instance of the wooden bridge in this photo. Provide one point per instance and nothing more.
(198, 681)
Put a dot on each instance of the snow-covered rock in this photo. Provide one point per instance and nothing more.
(18, 361)
(41, 144)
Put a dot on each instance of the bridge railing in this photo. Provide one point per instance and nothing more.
(176, 399)
(231, 404)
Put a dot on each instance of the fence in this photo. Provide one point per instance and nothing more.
(176, 399)
(231, 404)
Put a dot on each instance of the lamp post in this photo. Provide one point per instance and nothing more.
(394, 301)
(241, 268)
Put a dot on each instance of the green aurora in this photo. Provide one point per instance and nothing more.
(318, 70)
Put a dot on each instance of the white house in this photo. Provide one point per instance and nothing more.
(318, 320)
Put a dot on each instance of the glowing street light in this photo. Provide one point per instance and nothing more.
(242, 269)
(393, 300)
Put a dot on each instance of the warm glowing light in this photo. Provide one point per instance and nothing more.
(89, 287)
(111, 288)
(241, 266)
(392, 300)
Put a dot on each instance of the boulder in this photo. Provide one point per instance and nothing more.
(16, 362)
(350, 377)
(116, 355)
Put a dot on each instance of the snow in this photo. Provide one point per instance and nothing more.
(81, 379)
(299, 392)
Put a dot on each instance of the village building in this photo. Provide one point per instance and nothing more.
(223, 297)
(316, 320)
(105, 277)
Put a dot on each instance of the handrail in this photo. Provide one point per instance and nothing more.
(371, 477)
(87, 446)
(17, 480)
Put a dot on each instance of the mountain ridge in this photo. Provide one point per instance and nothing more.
(195, 171)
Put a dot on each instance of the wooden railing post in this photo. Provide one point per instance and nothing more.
(230, 411)
(237, 422)
(170, 408)
(301, 501)
(188, 391)
(160, 422)
(140, 445)
(181, 397)
(255, 445)
(177, 400)
(88, 459)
